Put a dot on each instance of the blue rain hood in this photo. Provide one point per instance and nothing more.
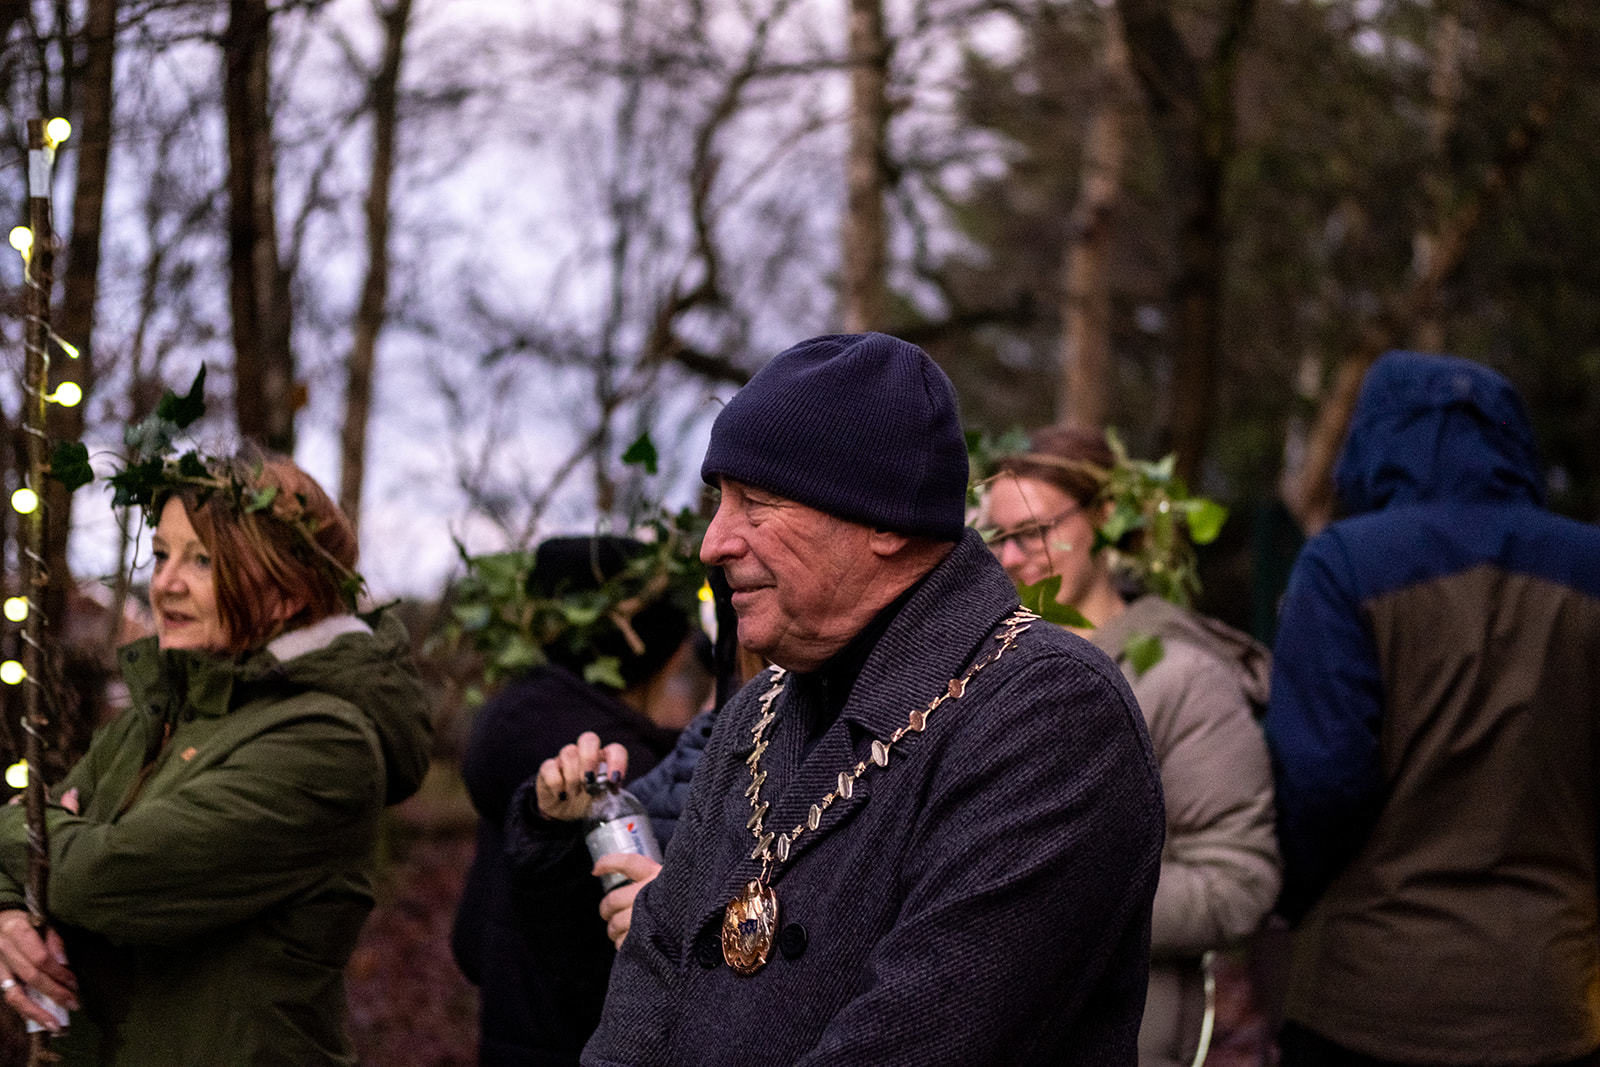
(1437, 428)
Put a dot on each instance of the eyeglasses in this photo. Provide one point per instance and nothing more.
(1030, 536)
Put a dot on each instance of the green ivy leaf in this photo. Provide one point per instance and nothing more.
(472, 617)
(1205, 520)
(580, 614)
(183, 410)
(604, 670)
(501, 574)
(1040, 598)
(1123, 517)
(190, 465)
(261, 500)
(518, 654)
(642, 452)
(135, 484)
(150, 436)
(1143, 651)
(69, 465)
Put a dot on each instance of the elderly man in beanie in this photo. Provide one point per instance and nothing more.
(930, 833)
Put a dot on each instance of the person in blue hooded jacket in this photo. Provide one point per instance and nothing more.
(1433, 727)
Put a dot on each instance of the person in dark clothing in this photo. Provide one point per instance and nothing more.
(1433, 732)
(539, 841)
(535, 945)
(955, 814)
(539, 844)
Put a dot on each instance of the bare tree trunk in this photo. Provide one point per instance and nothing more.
(1444, 91)
(865, 226)
(370, 314)
(1084, 398)
(1193, 107)
(1309, 496)
(264, 393)
(80, 280)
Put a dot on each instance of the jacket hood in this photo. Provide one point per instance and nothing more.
(1433, 428)
(371, 667)
(1150, 615)
(364, 661)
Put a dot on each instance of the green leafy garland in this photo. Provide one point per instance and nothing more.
(495, 613)
(153, 467)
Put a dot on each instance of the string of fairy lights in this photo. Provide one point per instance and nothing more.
(26, 500)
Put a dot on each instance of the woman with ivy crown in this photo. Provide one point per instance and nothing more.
(1197, 682)
(211, 856)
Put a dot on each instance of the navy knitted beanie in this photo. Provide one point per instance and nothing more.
(861, 426)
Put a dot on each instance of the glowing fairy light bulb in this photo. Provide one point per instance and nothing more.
(16, 608)
(25, 501)
(12, 672)
(22, 240)
(17, 774)
(56, 132)
(704, 592)
(67, 394)
(66, 346)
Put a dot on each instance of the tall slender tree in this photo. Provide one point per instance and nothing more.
(1191, 101)
(371, 312)
(265, 397)
(866, 240)
(1086, 356)
(80, 278)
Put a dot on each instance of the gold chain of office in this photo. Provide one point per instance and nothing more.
(750, 921)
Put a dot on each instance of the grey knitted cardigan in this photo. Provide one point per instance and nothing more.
(985, 898)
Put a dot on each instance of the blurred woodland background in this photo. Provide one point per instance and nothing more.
(457, 254)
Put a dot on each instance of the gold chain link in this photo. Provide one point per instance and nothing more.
(772, 849)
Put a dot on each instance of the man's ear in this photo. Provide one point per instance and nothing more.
(887, 543)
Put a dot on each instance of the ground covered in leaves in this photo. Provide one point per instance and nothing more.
(409, 1005)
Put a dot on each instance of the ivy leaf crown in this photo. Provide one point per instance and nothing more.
(497, 612)
(155, 467)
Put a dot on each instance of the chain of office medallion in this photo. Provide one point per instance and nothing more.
(772, 849)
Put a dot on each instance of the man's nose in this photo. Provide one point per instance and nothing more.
(720, 542)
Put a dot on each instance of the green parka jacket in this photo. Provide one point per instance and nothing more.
(211, 890)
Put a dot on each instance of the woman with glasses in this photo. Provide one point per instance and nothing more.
(1220, 866)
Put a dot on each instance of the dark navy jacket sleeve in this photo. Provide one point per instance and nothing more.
(665, 790)
(1322, 723)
